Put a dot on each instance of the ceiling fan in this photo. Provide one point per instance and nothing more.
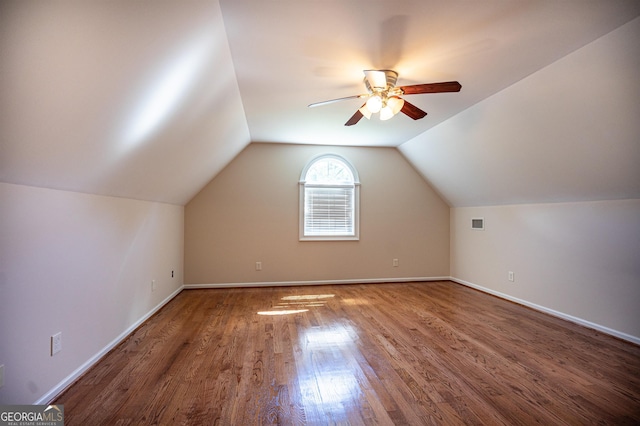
(384, 97)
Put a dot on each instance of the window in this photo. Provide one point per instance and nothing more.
(329, 199)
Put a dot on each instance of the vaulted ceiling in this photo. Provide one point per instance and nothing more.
(151, 100)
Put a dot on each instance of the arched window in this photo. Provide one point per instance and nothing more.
(329, 199)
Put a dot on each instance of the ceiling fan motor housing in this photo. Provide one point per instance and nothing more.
(380, 80)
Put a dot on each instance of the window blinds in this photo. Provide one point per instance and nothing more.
(329, 211)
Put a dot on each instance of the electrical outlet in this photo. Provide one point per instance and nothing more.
(511, 278)
(153, 285)
(1, 375)
(171, 274)
(395, 262)
(258, 266)
(56, 343)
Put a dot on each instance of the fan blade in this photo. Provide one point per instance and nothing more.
(354, 118)
(412, 111)
(376, 79)
(336, 100)
(448, 86)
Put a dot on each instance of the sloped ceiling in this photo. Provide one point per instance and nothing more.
(570, 132)
(125, 98)
(151, 100)
(289, 53)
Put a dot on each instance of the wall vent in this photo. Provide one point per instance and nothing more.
(477, 223)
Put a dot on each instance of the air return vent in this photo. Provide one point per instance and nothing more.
(477, 223)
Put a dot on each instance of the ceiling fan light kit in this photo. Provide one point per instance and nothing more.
(384, 97)
(374, 103)
(392, 106)
(366, 112)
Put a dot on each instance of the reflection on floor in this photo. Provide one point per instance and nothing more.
(414, 353)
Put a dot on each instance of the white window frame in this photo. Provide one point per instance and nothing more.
(303, 185)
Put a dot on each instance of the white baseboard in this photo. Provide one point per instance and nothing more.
(561, 315)
(319, 282)
(57, 390)
(51, 394)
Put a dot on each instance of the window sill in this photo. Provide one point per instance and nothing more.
(330, 238)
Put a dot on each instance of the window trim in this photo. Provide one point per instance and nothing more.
(356, 200)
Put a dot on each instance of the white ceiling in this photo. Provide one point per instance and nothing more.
(570, 132)
(151, 100)
(290, 53)
(124, 98)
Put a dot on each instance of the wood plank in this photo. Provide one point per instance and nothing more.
(411, 353)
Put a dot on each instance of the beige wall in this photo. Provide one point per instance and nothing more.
(580, 260)
(82, 265)
(249, 213)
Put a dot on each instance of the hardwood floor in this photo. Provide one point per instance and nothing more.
(415, 353)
